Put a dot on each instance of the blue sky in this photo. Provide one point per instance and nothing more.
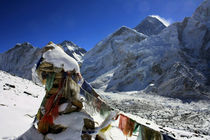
(84, 22)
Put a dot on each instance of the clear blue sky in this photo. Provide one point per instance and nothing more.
(84, 22)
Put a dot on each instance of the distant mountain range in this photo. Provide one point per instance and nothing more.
(172, 61)
(21, 59)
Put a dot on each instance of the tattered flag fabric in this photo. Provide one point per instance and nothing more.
(136, 126)
(139, 135)
(150, 134)
(50, 80)
(126, 125)
(106, 128)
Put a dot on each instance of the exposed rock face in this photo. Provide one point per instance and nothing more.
(21, 59)
(173, 63)
(108, 55)
(150, 26)
(73, 50)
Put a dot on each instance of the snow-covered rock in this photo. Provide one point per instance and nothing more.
(21, 59)
(100, 62)
(150, 26)
(60, 59)
(73, 50)
(173, 63)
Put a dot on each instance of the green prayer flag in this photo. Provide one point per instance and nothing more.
(136, 127)
(140, 135)
(50, 80)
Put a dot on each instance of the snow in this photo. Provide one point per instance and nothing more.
(151, 25)
(20, 59)
(60, 59)
(77, 56)
(17, 108)
(179, 118)
(168, 64)
(74, 123)
(73, 50)
(175, 61)
(163, 20)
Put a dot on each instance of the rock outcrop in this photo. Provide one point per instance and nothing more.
(73, 50)
(150, 26)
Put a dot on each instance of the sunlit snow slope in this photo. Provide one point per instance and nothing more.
(19, 101)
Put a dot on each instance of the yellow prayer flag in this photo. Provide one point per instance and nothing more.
(106, 128)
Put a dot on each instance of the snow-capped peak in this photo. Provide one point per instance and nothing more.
(69, 45)
(163, 20)
(73, 50)
(151, 25)
(25, 45)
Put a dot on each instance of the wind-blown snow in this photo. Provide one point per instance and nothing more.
(60, 59)
(150, 26)
(163, 20)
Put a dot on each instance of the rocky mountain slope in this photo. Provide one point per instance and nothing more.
(73, 50)
(21, 59)
(173, 63)
(21, 98)
(150, 26)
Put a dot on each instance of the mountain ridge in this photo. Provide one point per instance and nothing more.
(20, 59)
(150, 26)
(170, 63)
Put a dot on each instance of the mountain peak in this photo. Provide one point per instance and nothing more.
(69, 43)
(202, 13)
(25, 45)
(160, 19)
(73, 50)
(124, 30)
(151, 25)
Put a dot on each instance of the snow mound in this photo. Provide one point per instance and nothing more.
(60, 59)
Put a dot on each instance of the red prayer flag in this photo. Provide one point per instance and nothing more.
(126, 125)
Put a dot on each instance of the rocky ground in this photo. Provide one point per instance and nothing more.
(167, 112)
